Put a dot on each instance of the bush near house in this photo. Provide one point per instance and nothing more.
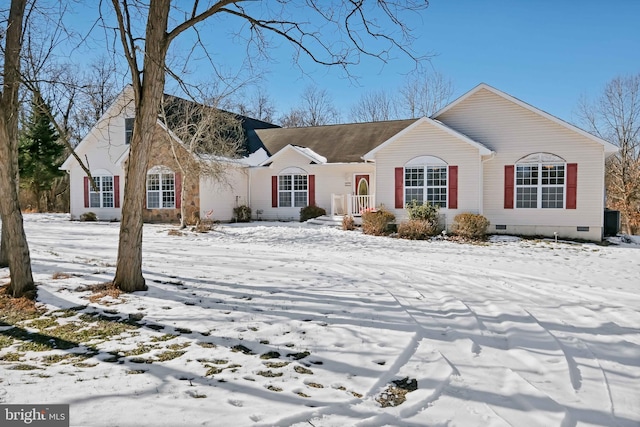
(470, 226)
(242, 214)
(417, 229)
(377, 222)
(310, 212)
(88, 216)
(423, 221)
(348, 223)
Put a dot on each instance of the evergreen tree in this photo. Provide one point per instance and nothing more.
(39, 153)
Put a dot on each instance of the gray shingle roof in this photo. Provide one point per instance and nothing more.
(338, 143)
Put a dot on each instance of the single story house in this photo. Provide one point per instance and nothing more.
(487, 152)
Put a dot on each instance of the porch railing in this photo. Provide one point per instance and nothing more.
(349, 204)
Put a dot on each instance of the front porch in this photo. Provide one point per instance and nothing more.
(350, 204)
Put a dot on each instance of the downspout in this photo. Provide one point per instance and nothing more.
(481, 182)
(249, 187)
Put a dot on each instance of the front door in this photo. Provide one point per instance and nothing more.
(362, 185)
(362, 200)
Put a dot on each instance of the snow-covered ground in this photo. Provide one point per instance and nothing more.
(275, 324)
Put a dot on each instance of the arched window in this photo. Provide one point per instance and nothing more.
(425, 181)
(540, 181)
(161, 188)
(293, 188)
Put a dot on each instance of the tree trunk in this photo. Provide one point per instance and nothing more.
(128, 276)
(15, 247)
(4, 248)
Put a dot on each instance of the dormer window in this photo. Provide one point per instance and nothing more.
(128, 130)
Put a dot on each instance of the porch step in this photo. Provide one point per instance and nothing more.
(327, 220)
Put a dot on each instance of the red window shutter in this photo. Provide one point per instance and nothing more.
(312, 190)
(178, 183)
(508, 186)
(572, 185)
(86, 191)
(453, 187)
(274, 191)
(399, 188)
(116, 191)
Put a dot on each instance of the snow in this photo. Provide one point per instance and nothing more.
(509, 332)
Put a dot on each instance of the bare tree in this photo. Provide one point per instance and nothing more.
(14, 240)
(315, 109)
(424, 95)
(257, 106)
(615, 117)
(356, 29)
(203, 141)
(373, 107)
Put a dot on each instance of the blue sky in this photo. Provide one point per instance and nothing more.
(545, 52)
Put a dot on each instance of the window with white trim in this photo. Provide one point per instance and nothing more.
(102, 195)
(540, 182)
(425, 181)
(128, 130)
(293, 190)
(161, 189)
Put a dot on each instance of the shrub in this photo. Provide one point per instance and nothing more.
(348, 223)
(311, 211)
(422, 211)
(471, 226)
(242, 213)
(88, 216)
(377, 222)
(417, 229)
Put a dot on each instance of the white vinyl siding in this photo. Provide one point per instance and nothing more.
(428, 140)
(513, 131)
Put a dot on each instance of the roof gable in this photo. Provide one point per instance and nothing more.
(481, 148)
(608, 147)
(312, 156)
(345, 143)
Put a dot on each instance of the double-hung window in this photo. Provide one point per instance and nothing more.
(540, 185)
(128, 130)
(102, 195)
(426, 184)
(161, 190)
(293, 190)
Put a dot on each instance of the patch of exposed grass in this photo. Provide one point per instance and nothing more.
(42, 323)
(169, 355)
(396, 394)
(269, 374)
(184, 331)
(136, 371)
(140, 349)
(56, 358)
(358, 395)
(206, 344)
(103, 290)
(270, 355)
(85, 365)
(213, 370)
(24, 367)
(214, 361)
(68, 312)
(165, 337)
(274, 388)
(276, 365)
(241, 348)
(11, 357)
(315, 385)
(303, 370)
(5, 341)
(178, 346)
(299, 356)
(34, 346)
(301, 394)
(58, 275)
